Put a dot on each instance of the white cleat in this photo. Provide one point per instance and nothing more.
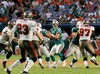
(64, 64)
(41, 65)
(94, 61)
(56, 65)
(49, 66)
(53, 65)
(71, 66)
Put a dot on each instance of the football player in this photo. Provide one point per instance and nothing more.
(25, 27)
(56, 35)
(36, 43)
(4, 41)
(40, 46)
(85, 32)
(45, 46)
(73, 49)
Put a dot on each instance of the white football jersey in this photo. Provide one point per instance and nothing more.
(85, 32)
(25, 29)
(34, 37)
(5, 36)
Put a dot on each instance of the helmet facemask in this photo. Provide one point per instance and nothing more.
(55, 24)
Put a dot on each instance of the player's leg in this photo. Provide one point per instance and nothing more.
(76, 54)
(52, 52)
(84, 53)
(37, 47)
(65, 56)
(23, 57)
(32, 53)
(58, 52)
(8, 55)
(66, 42)
(59, 49)
(47, 54)
(91, 50)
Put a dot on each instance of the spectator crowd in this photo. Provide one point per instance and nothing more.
(44, 11)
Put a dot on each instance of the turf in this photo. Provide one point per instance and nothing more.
(37, 70)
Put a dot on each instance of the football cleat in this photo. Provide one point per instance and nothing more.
(24, 72)
(54, 65)
(71, 66)
(87, 67)
(49, 66)
(8, 71)
(94, 61)
(64, 64)
(41, 65)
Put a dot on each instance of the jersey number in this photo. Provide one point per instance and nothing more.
(84, 31)
(23, 29)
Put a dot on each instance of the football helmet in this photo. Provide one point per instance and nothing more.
(11, 24)
(39, 25)
(86, 22)
(79, 23)
(28, 14)
(55, 22)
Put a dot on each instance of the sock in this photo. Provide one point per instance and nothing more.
(59, 61)
(48, 61)
(86, 63)
(28, 65)
(27, 58)
(93, 58)
(64, 62)
(14, 64)
(71, 63)
(5, 59)
(40, 60)
(52, 58)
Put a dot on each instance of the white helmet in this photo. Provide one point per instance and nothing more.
(55, 22)
(39, 25)
(79, 23)
(86, 22)
(11, 24)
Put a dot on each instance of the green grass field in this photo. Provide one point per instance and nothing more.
(37, 70)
